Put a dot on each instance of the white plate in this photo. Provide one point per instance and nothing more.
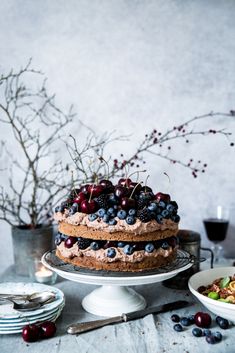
(24, 321)
(8, 313)
(7, 331)
(19, 327)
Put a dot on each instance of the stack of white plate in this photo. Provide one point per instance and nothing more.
(12, 321)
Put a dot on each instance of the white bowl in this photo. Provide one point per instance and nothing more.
(204, 278)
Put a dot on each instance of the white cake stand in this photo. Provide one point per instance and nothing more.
(114, 297)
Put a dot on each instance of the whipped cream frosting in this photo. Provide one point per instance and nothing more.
(101, 254)
(137, 228)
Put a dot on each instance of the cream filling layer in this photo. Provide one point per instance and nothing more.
(138, 228)
(101, 254)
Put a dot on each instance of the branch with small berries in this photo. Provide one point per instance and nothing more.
(155, 142)
(91, 162)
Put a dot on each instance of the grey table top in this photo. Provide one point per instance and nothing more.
(153, 333)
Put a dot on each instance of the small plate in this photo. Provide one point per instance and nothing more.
(29, 320)
(7, 331)
(8, 313)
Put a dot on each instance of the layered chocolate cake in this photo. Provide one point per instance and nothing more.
(123, 227)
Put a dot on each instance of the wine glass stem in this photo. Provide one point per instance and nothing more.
(217, 250)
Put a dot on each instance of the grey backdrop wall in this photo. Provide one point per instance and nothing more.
(133, 65)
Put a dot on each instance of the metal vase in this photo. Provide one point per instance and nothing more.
(28, 243)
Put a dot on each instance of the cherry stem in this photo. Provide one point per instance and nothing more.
(137, 177)
(89, 200)
(73, 184)
(137, 172)
(135, 189)
(167, 177)
(126, 174)
(145, 184)
(95, 182)
(101, 158)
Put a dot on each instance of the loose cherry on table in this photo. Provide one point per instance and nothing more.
(88, 206)
(202, 319)
(31, 333)
(162, 197)
(47, 329)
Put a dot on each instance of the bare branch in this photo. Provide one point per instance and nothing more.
(36, 123)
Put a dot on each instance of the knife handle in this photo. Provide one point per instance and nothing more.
(91, 325)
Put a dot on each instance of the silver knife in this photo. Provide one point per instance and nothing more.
(91, 325)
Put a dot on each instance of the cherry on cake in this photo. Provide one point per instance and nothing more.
(123, 227)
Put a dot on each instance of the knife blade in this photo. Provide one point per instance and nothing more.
(91, 325)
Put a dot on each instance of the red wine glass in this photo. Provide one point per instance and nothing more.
(216, 225)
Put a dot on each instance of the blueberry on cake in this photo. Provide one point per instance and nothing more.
(123, 227)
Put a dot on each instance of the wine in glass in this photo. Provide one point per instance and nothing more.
(216, 226)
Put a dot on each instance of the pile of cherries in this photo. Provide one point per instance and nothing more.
(126, 200)
(203, 322)
(34, 332)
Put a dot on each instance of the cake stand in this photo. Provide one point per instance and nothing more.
(114, 297)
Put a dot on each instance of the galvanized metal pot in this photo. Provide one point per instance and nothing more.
(28, 243)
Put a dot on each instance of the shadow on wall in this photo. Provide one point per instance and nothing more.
(229, 243)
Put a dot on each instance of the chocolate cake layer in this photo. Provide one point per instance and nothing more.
(146, 264)
(92, 233)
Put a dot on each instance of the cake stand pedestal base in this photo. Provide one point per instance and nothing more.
(113, 300)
